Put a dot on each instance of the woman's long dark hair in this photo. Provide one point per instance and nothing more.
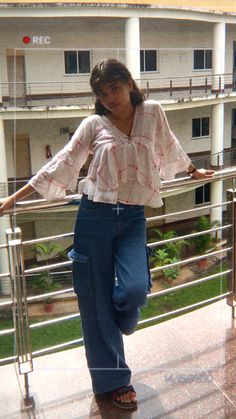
(108, 71)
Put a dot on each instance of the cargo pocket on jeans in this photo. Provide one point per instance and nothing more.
(149, 253)
(80, 273)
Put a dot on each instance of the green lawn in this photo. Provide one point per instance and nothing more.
(71, 329)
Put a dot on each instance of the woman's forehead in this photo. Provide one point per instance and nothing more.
(107, 85)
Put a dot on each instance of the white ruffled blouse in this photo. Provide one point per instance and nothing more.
(123, 169)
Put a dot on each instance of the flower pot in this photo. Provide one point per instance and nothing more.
(48, 307)
(202, 263)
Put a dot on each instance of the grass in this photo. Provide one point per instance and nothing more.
(71, 329)
(42, 337)
(184, 298)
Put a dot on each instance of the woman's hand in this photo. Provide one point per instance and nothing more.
(9, 202)
(6, 204)
(202, 174)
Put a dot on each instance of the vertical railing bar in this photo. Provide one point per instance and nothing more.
(231, 301)
(147, 90)
(20, 308)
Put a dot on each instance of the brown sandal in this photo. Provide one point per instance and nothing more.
(119, 392)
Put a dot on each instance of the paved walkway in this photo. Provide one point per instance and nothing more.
(182, 369)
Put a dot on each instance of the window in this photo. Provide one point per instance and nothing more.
(77, 62)
(200, 127)
(148, 60)
(203, 194)
(202, 59)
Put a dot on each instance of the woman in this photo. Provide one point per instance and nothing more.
(133, 147)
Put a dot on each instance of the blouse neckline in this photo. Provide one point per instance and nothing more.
(104, 117)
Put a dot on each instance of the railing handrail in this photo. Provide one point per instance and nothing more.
(38, 204)
(206, 73)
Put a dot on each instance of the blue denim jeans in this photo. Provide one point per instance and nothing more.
(111, 278)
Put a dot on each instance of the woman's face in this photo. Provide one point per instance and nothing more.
(115, 96)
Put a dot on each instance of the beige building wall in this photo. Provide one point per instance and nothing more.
(41, 133)
(175, 40)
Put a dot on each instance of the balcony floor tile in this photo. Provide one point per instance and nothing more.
(183, 368)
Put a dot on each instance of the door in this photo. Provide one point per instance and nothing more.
(16, 78)
(22, 156)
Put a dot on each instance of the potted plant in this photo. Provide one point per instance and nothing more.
(161, 258)
(43, 281)
(168, 253)
(206, 241)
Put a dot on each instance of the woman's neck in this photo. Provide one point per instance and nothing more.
(124, 122)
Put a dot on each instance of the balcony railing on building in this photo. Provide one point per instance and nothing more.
(69, 93)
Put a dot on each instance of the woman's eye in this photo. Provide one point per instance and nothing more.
(114, 89)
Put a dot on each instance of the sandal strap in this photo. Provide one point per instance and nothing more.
(122, 390)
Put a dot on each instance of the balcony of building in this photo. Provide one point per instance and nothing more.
(48, 94)
(182, 355)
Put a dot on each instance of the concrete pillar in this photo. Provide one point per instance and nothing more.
(217, 132)
(1, 86)
(218, 56)
(132, 46)
(217, 147)
(5, 220)
(216, 198)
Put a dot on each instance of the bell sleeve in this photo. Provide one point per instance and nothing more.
(171, 157)
(62, 172)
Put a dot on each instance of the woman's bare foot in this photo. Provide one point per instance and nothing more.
(125, 397)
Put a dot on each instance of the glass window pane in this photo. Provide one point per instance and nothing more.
(205, 126)
(207, 192)
(198, 59)
(196, 127)
(208, 56)
(141, 60)
(199, 195)
(84, 61)
(71, 62)
(150, 60)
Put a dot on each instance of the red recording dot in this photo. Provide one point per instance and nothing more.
(26, 39)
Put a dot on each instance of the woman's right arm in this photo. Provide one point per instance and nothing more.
(9, 202)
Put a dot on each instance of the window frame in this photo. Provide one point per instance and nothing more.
(201, 125)
(204, 193)
(77, 62)
(204, 58)
(144, 50)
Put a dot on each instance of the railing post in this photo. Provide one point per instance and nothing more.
(190, 86)
(205, 84)
(20, 309)
(231, 215)
(147, 90)
(219, 84)
(171, 87)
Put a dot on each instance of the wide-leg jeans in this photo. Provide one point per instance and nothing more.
(111, 278)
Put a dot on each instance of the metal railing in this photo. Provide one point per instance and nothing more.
(224, 159)
(78, 92)
(18, 274)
